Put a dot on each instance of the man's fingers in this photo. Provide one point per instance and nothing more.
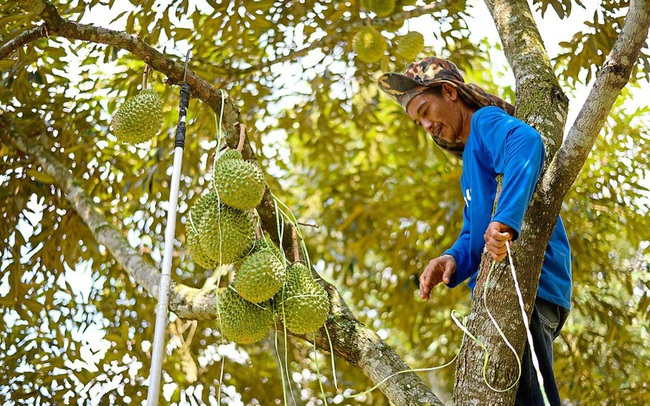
(496, 247)
(501, 236)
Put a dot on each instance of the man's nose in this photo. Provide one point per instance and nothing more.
(427, 125)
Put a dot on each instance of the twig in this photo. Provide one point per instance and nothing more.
(21, 39)
(316, 226)
(296, 247)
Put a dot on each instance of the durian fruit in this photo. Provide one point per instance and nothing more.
(193, 236)
(369, 45)
(139, 119)
(303, 304)
(266, 243)
(260, 275)
(199, 256)
(240, 183)
(410, 45)
(225, 234)
(240, 321)
(383, 8)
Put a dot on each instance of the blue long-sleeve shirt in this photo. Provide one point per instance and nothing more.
(502, 144)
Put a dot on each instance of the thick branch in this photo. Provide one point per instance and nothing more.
(351, 340)
(536, 83)
(21, 39)
(542, 215)
(610, 80)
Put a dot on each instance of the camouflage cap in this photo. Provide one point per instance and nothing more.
(431, 72)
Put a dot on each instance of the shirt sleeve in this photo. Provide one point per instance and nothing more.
(517, 152)
(461, 253)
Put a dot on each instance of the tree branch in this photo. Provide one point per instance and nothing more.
(541, 216)
(351, 340)
(610, 80)
(21, 39)
(328, 39)
(536, 82)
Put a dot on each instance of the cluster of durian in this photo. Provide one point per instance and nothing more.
(370, 45)
(263, 289)
(222, 230)
(139, 119)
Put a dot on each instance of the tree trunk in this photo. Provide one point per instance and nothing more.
(541, 103)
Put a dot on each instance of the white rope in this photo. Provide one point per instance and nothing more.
(540, 378)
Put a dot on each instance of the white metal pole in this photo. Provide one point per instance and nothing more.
(163, 289)
(165, 279)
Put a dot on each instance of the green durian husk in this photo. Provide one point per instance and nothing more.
(259, 276)
(302, 304)
(240, 184)
(240, 321)
(139, 119)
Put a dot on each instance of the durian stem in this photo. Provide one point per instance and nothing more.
(144, 77)
(258, 229)
(242, 137)
(296, 247)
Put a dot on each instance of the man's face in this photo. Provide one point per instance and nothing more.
(438, 115)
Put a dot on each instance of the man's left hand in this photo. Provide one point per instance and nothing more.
(496, 236)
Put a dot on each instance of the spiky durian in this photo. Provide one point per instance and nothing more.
(302, 304)
(240, 183)
(383, 8)
(369, 45)
(260, 275)
(266, 243)
(224, 234)
(410, 45)
(241, 321)
(193, 236)
(230, 154)
(197, 252)
(139, 119)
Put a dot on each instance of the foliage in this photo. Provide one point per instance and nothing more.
(344, 158)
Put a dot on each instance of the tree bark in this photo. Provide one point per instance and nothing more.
(541, 103)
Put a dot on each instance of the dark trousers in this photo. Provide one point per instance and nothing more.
(545, 324)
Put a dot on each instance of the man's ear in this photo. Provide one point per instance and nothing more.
(450, 91)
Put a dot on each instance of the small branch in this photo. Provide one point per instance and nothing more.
(21, 39)
(144, 77)
(316, 226)
(610, 80)
(296, 246)
(341, 35)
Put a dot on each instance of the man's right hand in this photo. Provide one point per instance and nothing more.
(438, 270)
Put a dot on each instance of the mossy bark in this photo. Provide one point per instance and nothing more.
(541, 103)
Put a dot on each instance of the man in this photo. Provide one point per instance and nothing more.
(479, 128)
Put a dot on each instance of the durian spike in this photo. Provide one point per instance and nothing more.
(242, 137)
(296, 248)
